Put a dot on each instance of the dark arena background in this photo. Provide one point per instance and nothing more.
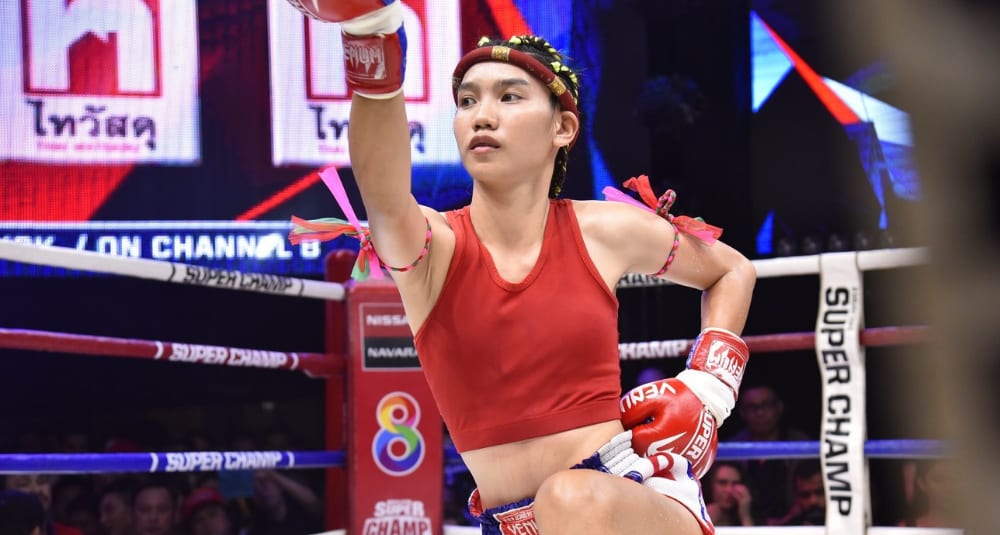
(192, 131)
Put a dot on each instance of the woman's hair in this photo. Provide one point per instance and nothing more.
(541, 50)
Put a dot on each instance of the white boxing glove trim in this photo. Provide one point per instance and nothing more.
(716, 395)
(384, 20)
(379, 96)
(684, 488)
(620, 459)
(721, 330)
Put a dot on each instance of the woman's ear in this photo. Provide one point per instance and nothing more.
(566, 129)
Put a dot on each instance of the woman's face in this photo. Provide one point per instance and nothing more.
(505, 124)
(38, 484)
(210, 520)
(726, 478)
(939, 485)
(115, 515)
(153, 512)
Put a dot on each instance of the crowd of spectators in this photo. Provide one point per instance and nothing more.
(252, 502)
(750, 492)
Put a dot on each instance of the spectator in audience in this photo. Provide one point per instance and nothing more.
(283, 506)
(237, 486)
(21, 513)
(115, 506)
(276, 438)
(728, 498)
(934, 490)
(82, 514)
(115, 444)
(204, 512)
(75, 441)
(809, 502)
(64, 491)
(244, 442)
(154, 508)
(33, 439)
(761, 410)
(40, 485)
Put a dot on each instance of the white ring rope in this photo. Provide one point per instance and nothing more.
(175, 272)
(144, 268)
(808, 265)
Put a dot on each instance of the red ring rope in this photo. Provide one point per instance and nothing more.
(772, 343)
(871, 337)
(313, 364)
(319, 364)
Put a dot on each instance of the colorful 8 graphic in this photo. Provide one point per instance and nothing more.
(398, 447)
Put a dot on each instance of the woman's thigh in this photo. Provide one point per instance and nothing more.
(588, 501)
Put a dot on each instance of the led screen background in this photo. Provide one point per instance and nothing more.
(831, 165)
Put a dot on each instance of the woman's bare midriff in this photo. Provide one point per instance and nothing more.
(510, 472)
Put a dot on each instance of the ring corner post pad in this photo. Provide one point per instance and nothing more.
(395, 434)
(841, 360)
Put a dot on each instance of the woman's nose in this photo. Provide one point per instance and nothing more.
(485, 118)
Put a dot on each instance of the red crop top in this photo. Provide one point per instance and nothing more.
(510, 361)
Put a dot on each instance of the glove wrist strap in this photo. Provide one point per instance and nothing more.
(375, 64)
(721, 353)
(716, 396)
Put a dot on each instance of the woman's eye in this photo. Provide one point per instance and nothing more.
(509, 97)
(465, 101)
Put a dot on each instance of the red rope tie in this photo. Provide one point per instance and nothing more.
(660, 206)
(368, 263)
(694, 226)
(328, 228)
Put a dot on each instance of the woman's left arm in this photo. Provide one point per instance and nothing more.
(724, 275)
(725, 302)
(647, 243)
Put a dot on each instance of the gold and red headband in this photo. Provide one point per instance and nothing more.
(525, 61)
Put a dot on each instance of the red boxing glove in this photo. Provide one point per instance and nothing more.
(374, 42)
(337, 10)
(666, 416)
(715, 370)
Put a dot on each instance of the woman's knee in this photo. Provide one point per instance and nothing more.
(576, 492)
(586, 501)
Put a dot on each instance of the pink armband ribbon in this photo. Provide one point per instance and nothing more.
(692, 226)
(328, 228)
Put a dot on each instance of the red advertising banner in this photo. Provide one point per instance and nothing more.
(395, 450)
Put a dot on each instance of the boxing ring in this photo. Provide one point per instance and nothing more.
(382, 436)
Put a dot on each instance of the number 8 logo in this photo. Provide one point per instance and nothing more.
(398, 447)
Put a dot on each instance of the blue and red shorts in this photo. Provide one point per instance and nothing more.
(518, 518)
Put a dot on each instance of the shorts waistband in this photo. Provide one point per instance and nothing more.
(508, 519)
